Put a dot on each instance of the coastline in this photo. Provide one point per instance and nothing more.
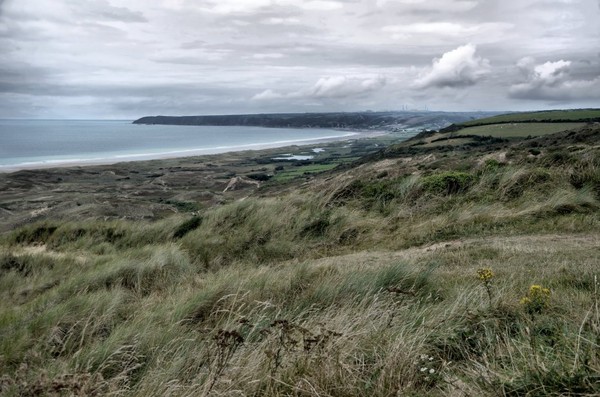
(185, 153)
(156, 188)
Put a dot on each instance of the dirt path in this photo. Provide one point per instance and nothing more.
(547, 243)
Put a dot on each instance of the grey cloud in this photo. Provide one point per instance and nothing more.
(117, 90)
(193, 44)
(213, 56)
(20, 74)
(122, 14)
(103, 10)
(553, 81)
(315, 54)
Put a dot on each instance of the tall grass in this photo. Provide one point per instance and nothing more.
(364, 288)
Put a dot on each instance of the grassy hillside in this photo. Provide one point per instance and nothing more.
(503, 128)
(512, 130)
(544, 116)
(416, 271)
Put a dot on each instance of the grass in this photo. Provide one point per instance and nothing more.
(518, 129)
(365, 283)
(543, 116)
(292, 172)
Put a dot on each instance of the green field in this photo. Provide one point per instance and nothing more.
(556, 115)
(518, 129)
(294, 172)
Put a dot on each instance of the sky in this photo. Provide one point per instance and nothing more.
(124, 59)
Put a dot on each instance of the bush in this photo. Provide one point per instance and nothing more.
(261, 177)
(446, 183)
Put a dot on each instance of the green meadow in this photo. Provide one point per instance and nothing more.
(511, 130)
(543, 116)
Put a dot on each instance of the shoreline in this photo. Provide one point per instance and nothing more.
(186, 153)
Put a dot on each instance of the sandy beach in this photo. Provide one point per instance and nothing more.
(346, 135)
(134, 188)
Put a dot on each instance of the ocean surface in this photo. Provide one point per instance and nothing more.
(45, 143)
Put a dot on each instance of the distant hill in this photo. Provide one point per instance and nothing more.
(546, 116)
(515, 125)
(389, 121)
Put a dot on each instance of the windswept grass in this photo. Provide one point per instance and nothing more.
(474, 275)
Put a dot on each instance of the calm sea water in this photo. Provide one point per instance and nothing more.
(31, 143)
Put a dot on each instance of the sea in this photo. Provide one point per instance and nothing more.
(27, 144)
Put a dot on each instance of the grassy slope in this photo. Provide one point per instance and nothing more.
(550, 116)
(363, 283)
(519, 129)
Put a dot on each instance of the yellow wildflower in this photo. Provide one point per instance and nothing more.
(537, 299)
(485, 274)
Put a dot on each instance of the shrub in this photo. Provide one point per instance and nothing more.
(261, 177)
(492, 164)
(446, 183)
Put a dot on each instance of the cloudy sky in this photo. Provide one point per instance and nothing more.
(130, 58)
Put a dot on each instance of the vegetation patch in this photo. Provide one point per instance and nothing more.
(187, 226)
(583, 115)
(448, 182)
(518, 130)
(303, 170)
(36, 234)
(184, 206)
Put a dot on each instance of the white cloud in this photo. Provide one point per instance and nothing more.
(330, 87)
(552, 81)
(318, 5)
(270, 55)
(281, 21)
(460, 67)
(445, 28)
(267, 95)
(445, 5)
(342, 86)
(443, 31)
(251, 6)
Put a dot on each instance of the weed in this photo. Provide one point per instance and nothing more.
(536, 300)
(485, 275)
(227, 343)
